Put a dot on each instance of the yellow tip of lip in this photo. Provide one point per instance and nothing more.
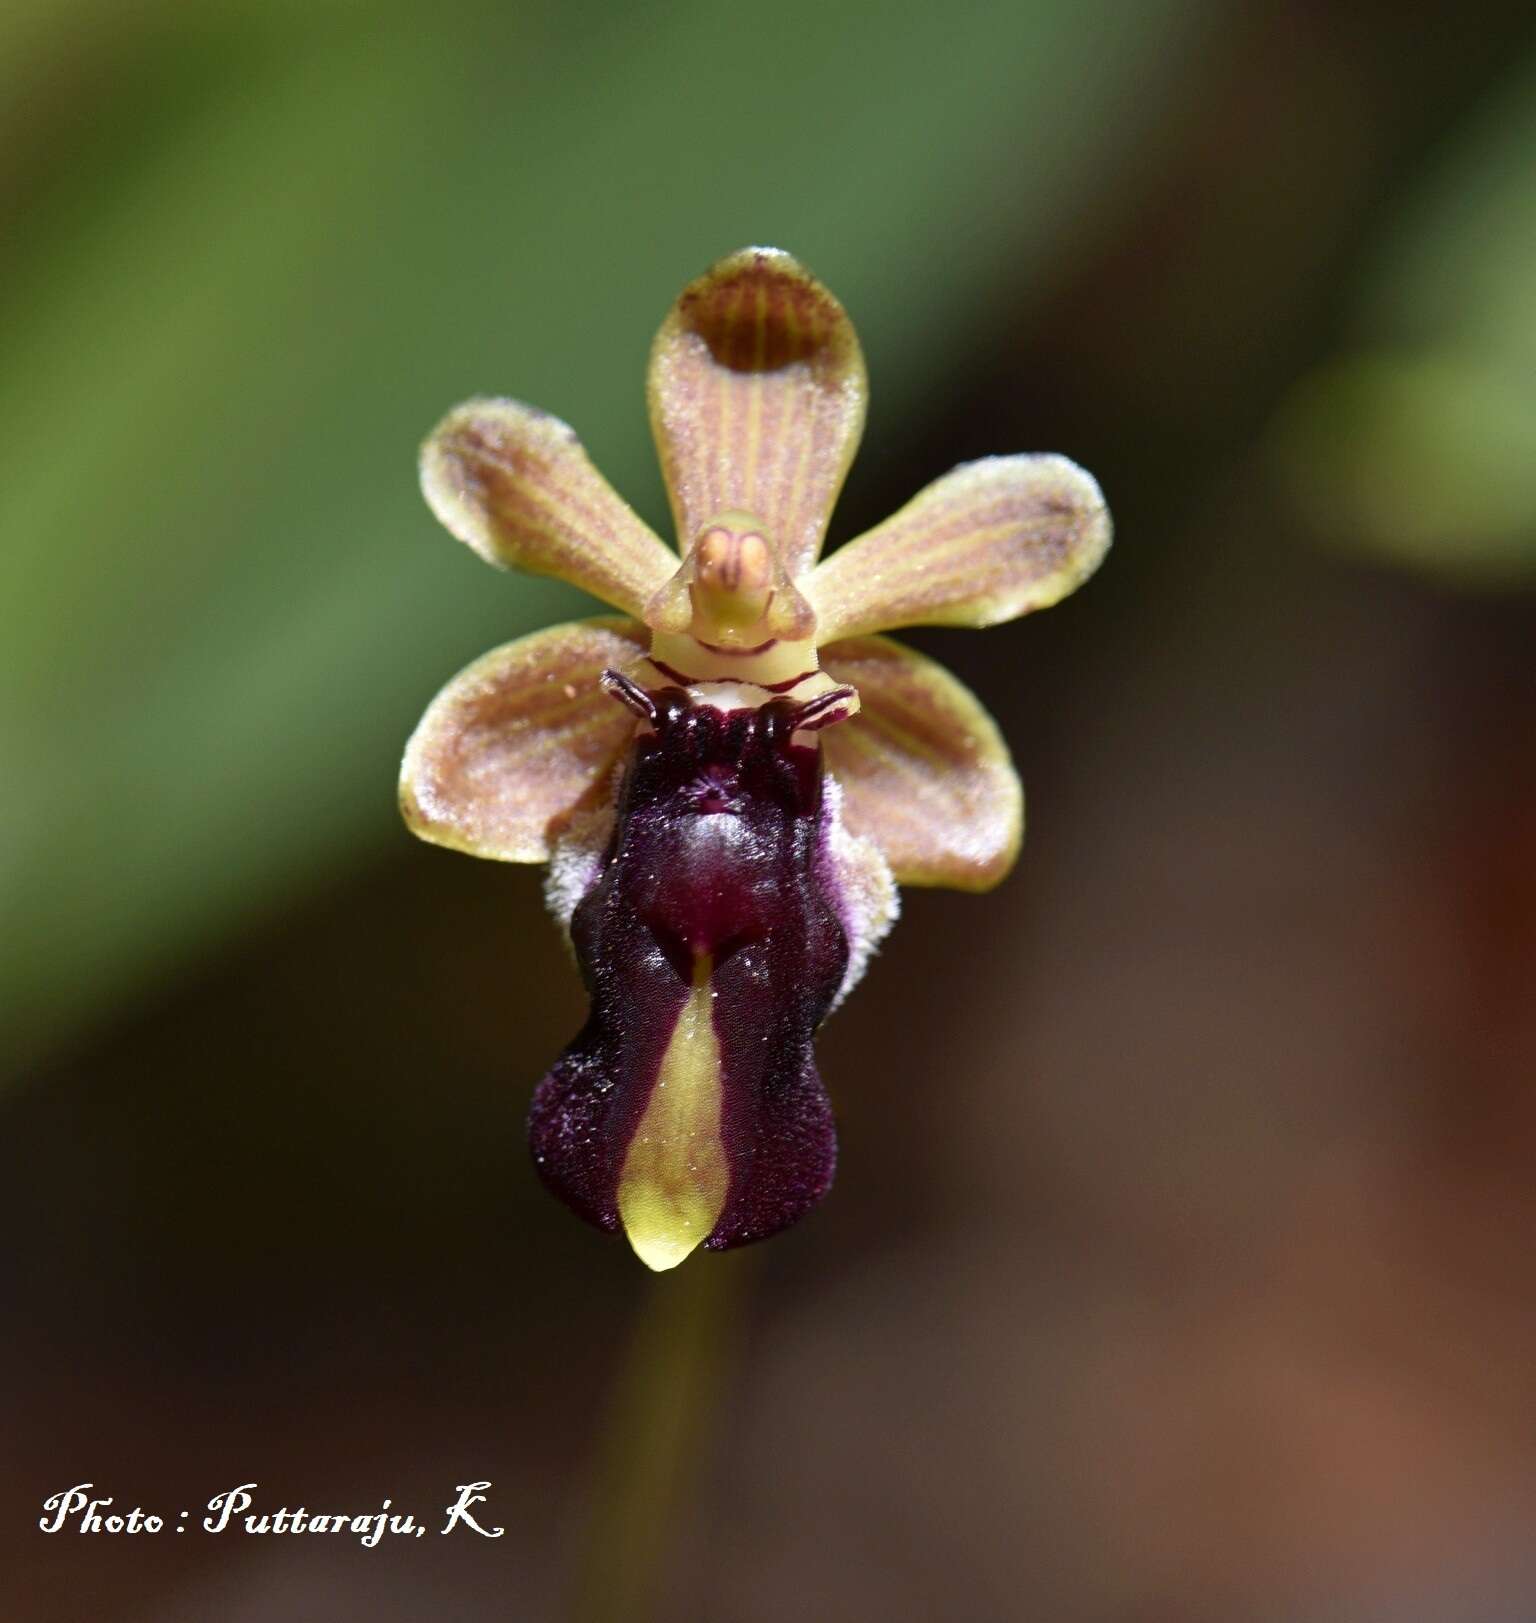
(659, 1249)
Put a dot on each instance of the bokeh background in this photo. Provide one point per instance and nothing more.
(1180, 1264)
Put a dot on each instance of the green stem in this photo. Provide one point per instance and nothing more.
(655, 1442)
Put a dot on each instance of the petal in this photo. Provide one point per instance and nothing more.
(757, 395)
(989, 541)
(924, 771)
(514, 483)
(519, 740)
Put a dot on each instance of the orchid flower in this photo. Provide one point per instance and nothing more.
(730, 778)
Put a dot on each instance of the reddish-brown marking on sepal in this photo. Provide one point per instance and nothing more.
(924, 770)
(518, 741)
(757, 394)
(515, 484)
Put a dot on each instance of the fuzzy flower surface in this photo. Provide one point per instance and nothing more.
(731, 776)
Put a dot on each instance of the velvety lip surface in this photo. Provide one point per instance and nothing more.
(715, 859)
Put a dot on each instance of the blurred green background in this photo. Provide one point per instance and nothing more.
(1179, 1263)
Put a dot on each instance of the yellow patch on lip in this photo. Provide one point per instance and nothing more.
(675, 1179)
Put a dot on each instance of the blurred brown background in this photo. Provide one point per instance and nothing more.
(1179, 1266)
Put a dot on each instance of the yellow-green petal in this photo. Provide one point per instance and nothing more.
(514, 483)
(519, 740)
(989, 541)
(757, 393)
(924, 770)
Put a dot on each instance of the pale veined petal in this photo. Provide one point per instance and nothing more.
(989, 541)
(757, 393)
(515, 484)
(519, 740)
(924, 771)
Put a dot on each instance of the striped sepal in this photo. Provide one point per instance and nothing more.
(757, 394)
(925, 772)
(519, 740)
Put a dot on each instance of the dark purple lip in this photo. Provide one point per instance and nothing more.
(762, 905)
